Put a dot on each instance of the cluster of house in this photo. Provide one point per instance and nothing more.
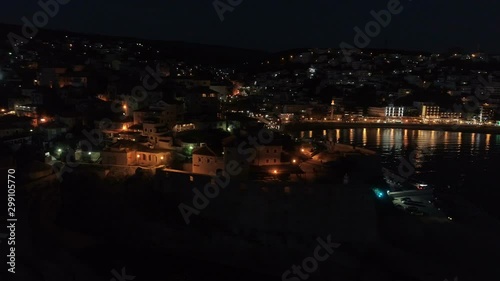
(389, 76)
(264, 159)
(156, 146)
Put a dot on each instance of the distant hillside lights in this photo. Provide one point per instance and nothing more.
(40, 20)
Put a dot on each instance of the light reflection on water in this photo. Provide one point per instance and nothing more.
(439, 156)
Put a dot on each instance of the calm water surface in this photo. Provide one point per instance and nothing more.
(468, 162)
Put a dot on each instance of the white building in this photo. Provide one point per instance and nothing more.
(394, 111)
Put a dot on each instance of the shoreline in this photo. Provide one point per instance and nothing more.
(307, 126)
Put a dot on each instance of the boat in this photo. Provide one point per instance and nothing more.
(398, 183)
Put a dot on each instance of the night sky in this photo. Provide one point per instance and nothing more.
(276, 25)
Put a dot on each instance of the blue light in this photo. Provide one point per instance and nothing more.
(379, 193)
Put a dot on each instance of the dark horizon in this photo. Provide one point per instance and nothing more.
(270, 52)
(423, 26)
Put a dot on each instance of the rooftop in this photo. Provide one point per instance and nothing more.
(127, 145)
(207, 151)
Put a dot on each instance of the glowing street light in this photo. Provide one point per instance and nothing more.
(294, 161)
(275, 172)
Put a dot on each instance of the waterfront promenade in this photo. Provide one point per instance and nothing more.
(317, 125)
